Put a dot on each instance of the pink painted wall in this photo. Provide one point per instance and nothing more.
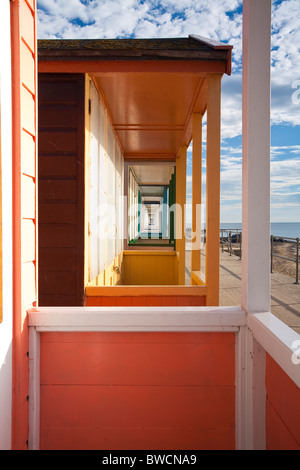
(282, 410)
(137, 391)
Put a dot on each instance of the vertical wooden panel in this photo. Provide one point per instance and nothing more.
(61, 237)
(196, 191)
(180, 212)
(87, 182)
(213, 187)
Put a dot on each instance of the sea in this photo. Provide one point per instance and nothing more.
(278, 229)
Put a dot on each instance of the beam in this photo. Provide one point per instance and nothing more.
(149, 66)
(213, 188)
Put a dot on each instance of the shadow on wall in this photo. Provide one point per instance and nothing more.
(5, 395)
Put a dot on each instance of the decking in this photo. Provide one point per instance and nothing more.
(285, 294)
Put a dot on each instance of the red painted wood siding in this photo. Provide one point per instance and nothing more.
(24, 70)
(283, 410)
(137, 391)
(146, 300)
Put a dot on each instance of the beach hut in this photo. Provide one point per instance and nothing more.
(93, 356)
(116, 118)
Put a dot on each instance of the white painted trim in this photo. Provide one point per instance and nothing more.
(137, 318)
(240, 389)
(278, 340)
(256, 285)
(34, 390)
(257, 392)
(210, 42)
(255, 395)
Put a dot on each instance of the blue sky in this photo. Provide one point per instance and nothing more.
(220, 20)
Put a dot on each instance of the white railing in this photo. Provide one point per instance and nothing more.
(137, 319)
(256, 334)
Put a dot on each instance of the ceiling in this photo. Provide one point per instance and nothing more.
(153, 177)
(153, 173)
(151, 112)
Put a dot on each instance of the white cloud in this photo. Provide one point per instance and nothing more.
(285, 67)
(220, 20)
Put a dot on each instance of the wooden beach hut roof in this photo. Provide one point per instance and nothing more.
(192, 48)
(151, 87)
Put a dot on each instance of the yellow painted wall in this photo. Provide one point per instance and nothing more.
(140, 268)
(150, 268)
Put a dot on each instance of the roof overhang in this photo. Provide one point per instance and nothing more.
(150, 87)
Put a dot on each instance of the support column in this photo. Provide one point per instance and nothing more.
(213, 188)
(172, 201)
(256, 156)
(164, 214)
(180, 211)
(256, 289)
(196, 192)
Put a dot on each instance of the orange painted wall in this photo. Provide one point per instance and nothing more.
(23, 37)
(146, 300)
(137, 391)
(282, 410)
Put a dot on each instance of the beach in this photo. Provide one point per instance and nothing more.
(286, 250)
(280, 247)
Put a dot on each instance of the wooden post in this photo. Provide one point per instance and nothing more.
(297, 261)
(256, 289)
(87, 184)
(256, 156)
(213, 188)
(180, 211)
(196, 193)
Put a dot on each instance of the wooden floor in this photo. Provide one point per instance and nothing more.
(285, 294)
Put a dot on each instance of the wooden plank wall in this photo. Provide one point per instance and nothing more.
(282, 410)
(145, 301)
(150, 268)
(137, 391)
(61, 189)
(24, 128)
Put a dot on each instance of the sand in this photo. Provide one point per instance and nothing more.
(279, 265)
(282, 266)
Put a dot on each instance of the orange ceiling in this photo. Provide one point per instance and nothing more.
(151, 112)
